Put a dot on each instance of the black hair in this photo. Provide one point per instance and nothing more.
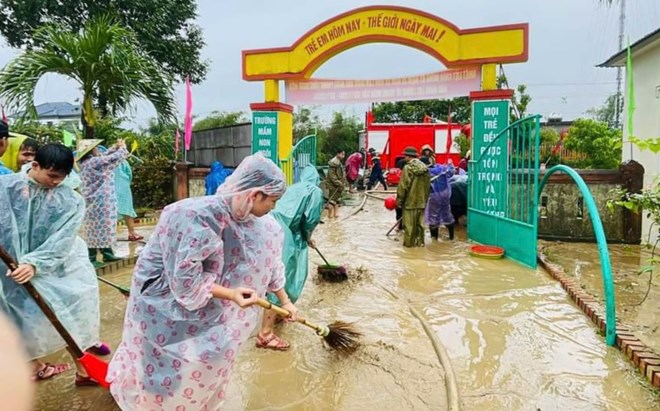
(339, 151)
(29, 143)
(55, 157)
(4, 129)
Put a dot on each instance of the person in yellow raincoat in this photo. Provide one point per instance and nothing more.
(20, 151)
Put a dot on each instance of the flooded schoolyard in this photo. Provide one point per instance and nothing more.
(514, 338)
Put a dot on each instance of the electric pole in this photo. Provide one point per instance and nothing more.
(619, 70)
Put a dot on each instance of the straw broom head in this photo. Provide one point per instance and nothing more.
(342, 336)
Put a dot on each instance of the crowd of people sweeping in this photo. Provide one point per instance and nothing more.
(428, 193)
(199, 282)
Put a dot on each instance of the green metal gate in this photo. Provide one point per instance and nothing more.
(302, 155)
(503, 199)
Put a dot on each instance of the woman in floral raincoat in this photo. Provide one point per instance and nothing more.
(98, 189)
(190, 308)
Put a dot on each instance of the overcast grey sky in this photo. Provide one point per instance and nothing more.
(568, 38)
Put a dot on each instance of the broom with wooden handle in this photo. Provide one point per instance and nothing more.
(339, 335)
(96, 368)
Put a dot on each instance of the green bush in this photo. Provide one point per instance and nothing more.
(600, 144)
(152, 183)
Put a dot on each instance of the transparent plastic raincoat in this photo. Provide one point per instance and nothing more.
(179, 343)
(438, 210)
(40, 227)
(98, 189)
(298, 212)
(123, 179)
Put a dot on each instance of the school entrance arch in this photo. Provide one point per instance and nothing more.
(453, 47)
(456, 48)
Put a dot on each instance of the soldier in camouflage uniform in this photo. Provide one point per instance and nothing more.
(411, 196)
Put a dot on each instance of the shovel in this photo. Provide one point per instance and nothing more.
(96, 368)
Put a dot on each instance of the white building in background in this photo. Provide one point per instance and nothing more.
(646, 119)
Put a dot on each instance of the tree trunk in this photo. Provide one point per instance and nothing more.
(103, 104)
(88, 131)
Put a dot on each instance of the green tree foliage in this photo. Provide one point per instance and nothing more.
(152, 182)
(165, 29)
(520, 99)
(342, 134)
(103, 58)
(414, 111)
(601, 144)
(464, 143)
(220, 119)
(549, 135)
(605, 113)
(306, 122)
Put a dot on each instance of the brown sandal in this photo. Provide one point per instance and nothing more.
(50, 370)
(266, 343)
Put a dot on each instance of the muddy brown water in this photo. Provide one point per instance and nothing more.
(515, 340)
(634, 308)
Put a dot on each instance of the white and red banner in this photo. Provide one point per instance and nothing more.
(440, 85)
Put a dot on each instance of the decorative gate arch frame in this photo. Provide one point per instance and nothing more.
(454, 47)
(423, 31)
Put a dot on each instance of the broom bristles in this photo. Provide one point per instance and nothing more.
(333, 274)
(343, 337)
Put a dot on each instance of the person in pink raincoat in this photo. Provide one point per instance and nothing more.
(353, 165)
(191, 302)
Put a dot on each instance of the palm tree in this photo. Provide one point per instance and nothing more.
(103, 58)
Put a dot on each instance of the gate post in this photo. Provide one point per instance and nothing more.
(632, 174)
(489, 188)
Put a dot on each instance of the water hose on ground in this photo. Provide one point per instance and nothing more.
(453, 399)
(360, 208)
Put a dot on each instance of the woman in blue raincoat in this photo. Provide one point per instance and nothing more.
(298, 212)
(438, 208)
(125, 210)
(216, 177)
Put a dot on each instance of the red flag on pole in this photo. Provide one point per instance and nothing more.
(177, 137)
(187, 136)
(450, 143)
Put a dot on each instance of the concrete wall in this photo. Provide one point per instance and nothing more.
(230, 145)
(563, 213)
(646, 119)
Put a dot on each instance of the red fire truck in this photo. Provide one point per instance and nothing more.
(390, 139)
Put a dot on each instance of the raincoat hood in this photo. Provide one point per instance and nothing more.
(255, 173)
(10, 158)
(217, 166)
(417, 167)
(310, 175)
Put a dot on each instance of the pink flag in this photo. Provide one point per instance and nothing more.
(187, 136)
(177, 137)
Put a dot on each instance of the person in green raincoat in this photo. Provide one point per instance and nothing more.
(335, 183)
(412, 195)
(298, 212)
